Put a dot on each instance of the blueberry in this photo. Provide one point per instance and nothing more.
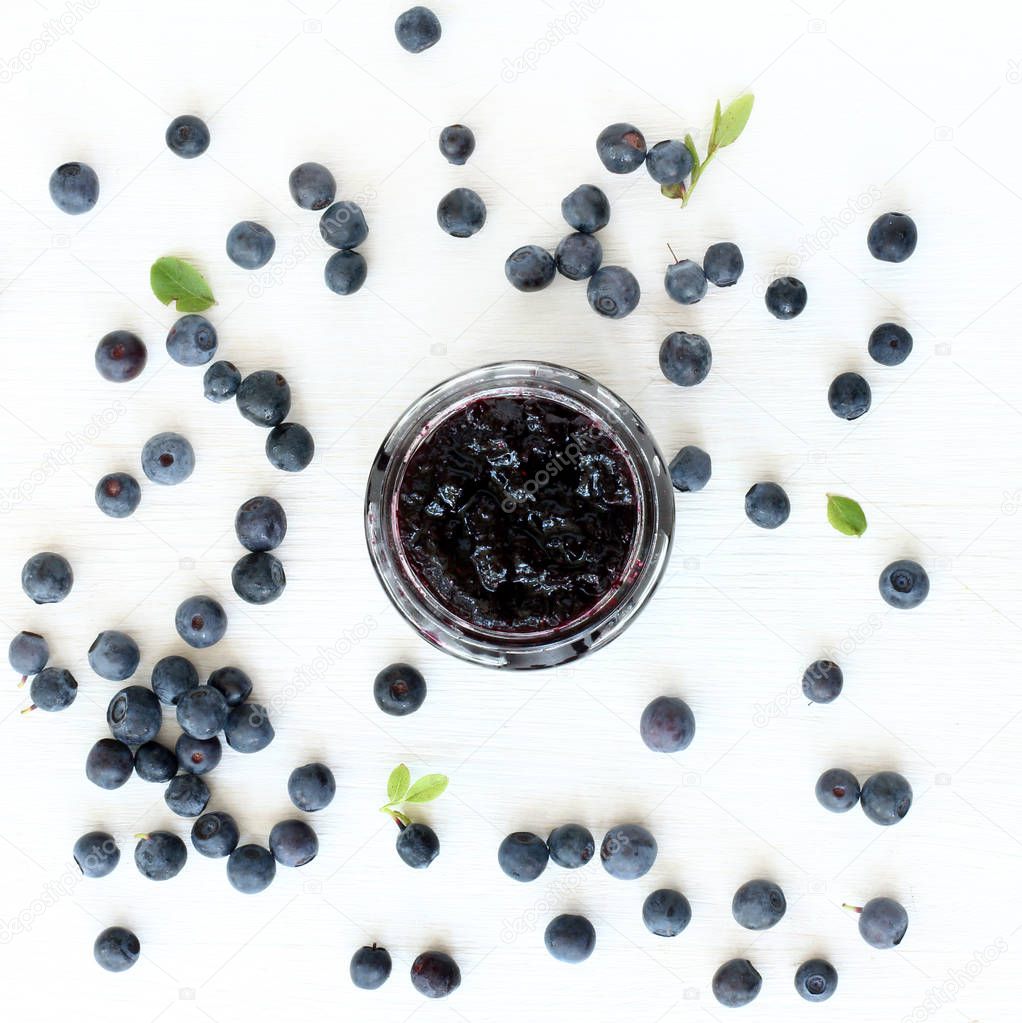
(849, 396)
(120, 356)
(570, 938)
(457, 143)
(758, 905)
(628, 851)
(220, 382)
(172, 677)
(154, 762)
(215, 834)
(890, 344)
(435, 974)
(311, 787)
(118, 494)
(613, 291)
(417, 29)
(293, 843)
(904, 584)
(571, 846)
(264, 398)
(685, 282)
(234, 683)
(114, 655)
(578, 256)
(168, 459)
(116, 949)
(248, 728)
(723, 264)
(258, 578)
(53, 689)
(47, 578)
(669, 163)
(882, 922)
(892, 237)
(767, 505)
(134, 716)
(187, 795)
(736, 983)
(251, 869)
(837, 790)
(74, 188)
(461, 213)
(160, 855)
(187, 136)
(200, 621)
(399, 689)
(312, 186)
(345, 272)
(786, 297)
(198, 756)
(192, 340)
(370, 967)
(685, 359)
(816, 980)
(621, 148)
(202, 712)
(28, 653)
(96, 854)
(822, 681)
(250, 245)
(290, 446)
(690, 469)
(667, 725)
(886, 797)
(523, 856)
(343, 225)
(109, 764)
(666, 913)
(586, 209)
(530, 268)
(260, 524)
(418, 845)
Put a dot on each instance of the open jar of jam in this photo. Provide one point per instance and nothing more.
(519, 515)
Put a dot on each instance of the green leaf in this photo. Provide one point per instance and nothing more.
(845, 515)
(173, 279)
(427, 788)
(673, 191)
(715, 128)
(690, 145)
(733, 121)
(398, 782)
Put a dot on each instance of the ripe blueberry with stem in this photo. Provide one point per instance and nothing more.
(417, 843)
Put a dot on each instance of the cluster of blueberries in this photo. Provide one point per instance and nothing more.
(161, 855)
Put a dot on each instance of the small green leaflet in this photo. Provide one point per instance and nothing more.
(397, 784)
(715, 127)
(427, 788)
(731, 122)
(845, 515)
(690, 145)
(173, 279)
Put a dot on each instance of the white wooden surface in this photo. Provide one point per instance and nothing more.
(862, 106)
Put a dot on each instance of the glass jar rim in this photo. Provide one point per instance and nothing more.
(650, 546)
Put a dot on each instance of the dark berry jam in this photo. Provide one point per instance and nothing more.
(518, 513)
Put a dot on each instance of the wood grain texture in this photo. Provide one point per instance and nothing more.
(856, 113)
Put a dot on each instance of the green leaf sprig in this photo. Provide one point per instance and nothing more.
(846, 515)
(175, 280)
(401, 789)
(728, 125)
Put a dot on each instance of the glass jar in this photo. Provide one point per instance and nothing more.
(645, 561)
